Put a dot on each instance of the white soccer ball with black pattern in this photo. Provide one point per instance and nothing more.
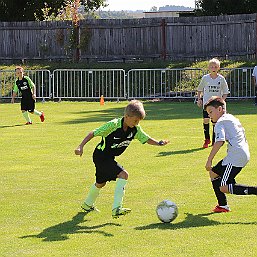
(167, 211)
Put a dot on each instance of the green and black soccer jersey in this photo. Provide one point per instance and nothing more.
(24, 86)
(115, 140)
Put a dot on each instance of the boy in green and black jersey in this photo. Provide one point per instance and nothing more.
(116, 137)
(27, 88)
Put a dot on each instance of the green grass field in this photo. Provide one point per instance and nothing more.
(43, 184)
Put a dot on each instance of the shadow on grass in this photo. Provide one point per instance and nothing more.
(12, 126)
(191, 220)
(162, 110)
(155, 111)
(160, 154)
(61, 231)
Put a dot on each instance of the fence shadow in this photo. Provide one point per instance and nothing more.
(61, 231)
(191, 220)
(162, 110)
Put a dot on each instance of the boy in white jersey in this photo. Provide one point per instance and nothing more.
(227, 128)
(212, 84)
(254, 75)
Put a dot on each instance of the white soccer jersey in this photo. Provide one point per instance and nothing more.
(228, 128)
(255, 73)
(212, 87)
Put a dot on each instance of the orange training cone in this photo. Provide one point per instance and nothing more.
(102, 100)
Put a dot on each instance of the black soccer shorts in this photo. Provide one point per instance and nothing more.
(107, 168)
(226, 172)
(28, 104)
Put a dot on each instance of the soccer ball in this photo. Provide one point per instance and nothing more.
(167, 211)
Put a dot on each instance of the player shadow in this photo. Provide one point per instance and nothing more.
(61, 231)
(12, 126)
(191, 220)
(160, 154)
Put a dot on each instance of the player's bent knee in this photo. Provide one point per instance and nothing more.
(123, 174)
(224, 189)
(206, 120)
(100, 185)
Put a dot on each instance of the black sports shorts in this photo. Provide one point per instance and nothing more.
(107, 168)
(226, 172)
(28, 104)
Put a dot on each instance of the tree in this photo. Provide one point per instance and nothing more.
(25, 10)
(223, 7)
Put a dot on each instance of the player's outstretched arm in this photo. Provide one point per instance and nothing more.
(33, 91)
(79, 149)
(152, 141)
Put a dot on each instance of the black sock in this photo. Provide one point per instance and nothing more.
(237, 189)
(213, 135)
(206, 129)
(221, 197)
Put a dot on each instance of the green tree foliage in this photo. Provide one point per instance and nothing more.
(25, 10)
(223, 7)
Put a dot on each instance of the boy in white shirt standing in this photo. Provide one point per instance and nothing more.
(254, 74)
(212, 84)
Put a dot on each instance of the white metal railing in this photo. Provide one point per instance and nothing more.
(239, 82)
(115, 84)
(41, 79)
(163, 83)
(89, 83)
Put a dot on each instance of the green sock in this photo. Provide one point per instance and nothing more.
(26, 116)
(37, 113)
(119, 193)
(92, 195)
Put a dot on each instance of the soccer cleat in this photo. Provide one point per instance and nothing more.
(119, 211)
(42, 117)
(88, 208)
(206, 143)
(28, 123)
(218, 209)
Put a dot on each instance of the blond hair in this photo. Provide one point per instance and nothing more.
(135, 109)
(214, 60)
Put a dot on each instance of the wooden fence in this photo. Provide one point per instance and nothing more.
(170, 38)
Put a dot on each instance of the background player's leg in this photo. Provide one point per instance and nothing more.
(26, 116)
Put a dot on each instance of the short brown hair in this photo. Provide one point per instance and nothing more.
(215, 101)
(135, 109)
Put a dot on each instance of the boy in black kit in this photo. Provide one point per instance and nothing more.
(116, 137)
(28, 95)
